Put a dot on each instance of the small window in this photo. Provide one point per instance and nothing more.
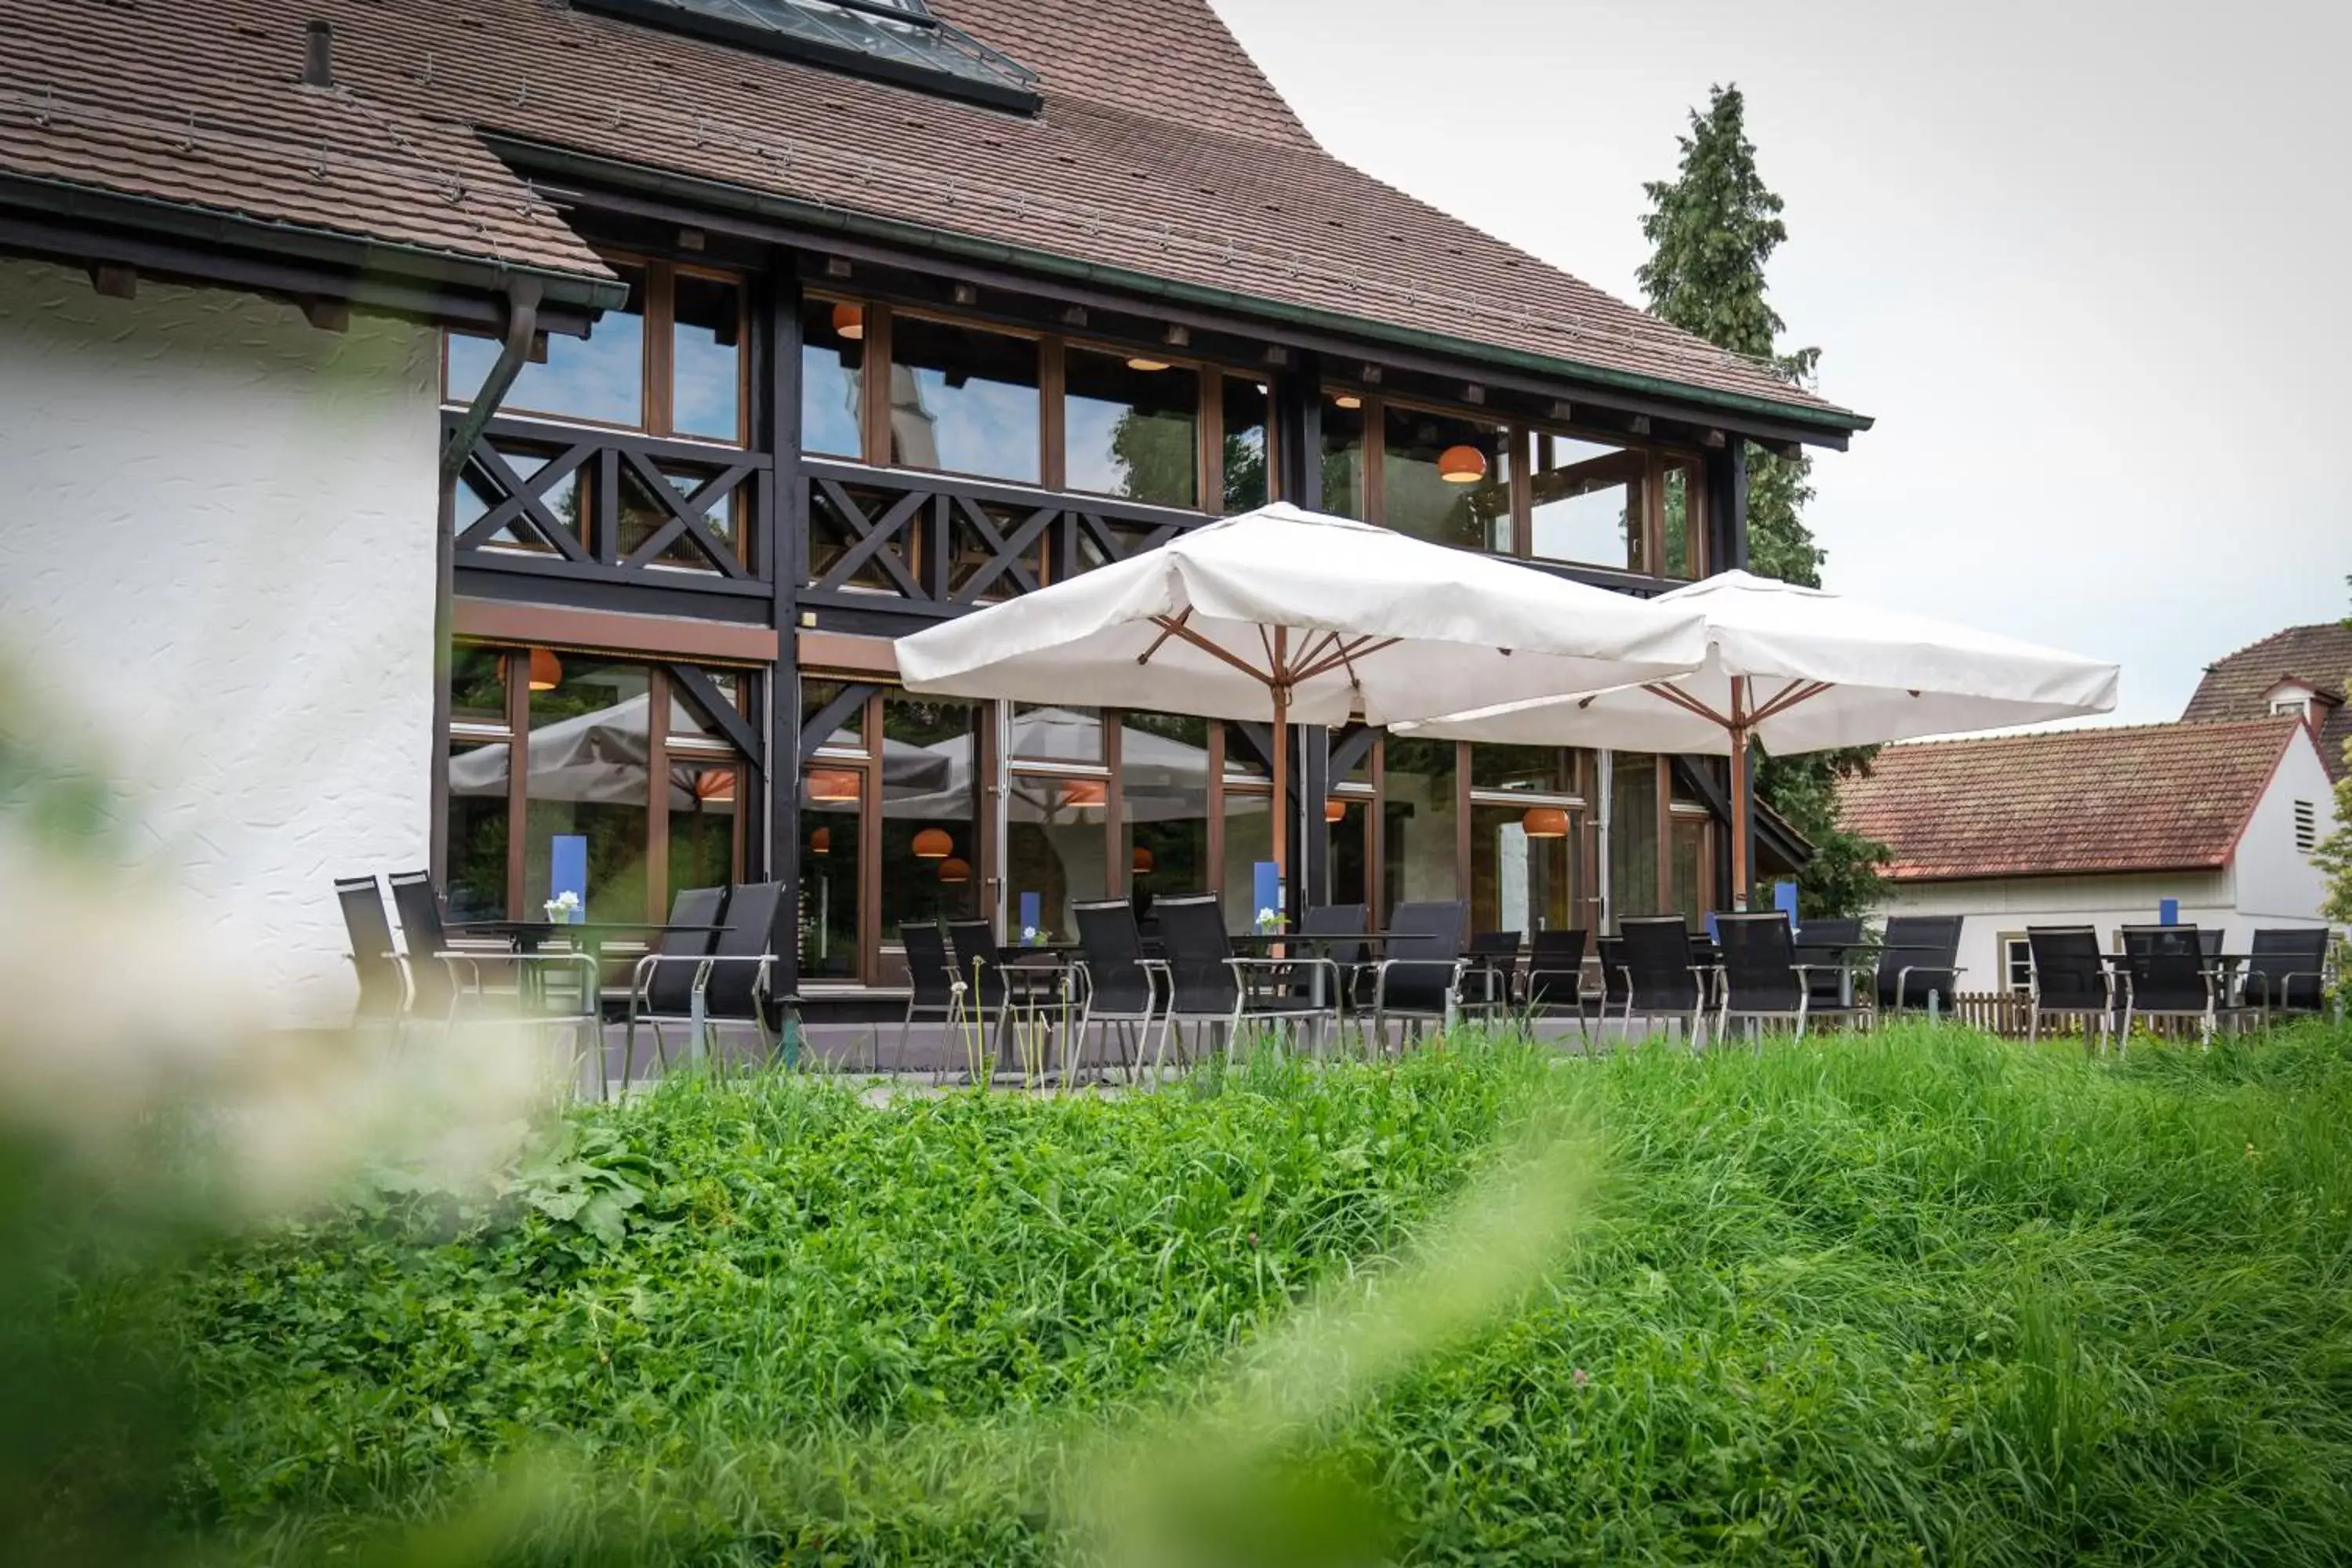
(832, 366)
(2290, 705)
(1585, 503)
(1131, 427)
(1245, 458)
(2307, 826)
(1445, 479)
(2016, 962)
(963, 399)
(1343, 454)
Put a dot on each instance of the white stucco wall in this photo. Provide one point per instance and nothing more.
(2275, 881)
(216, 568)
(1993, 907)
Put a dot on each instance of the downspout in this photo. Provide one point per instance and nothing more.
(523, 330)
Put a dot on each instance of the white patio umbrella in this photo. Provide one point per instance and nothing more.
(1283, 615)
(1804, 670)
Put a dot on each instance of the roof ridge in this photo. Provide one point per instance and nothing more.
(2080, 731)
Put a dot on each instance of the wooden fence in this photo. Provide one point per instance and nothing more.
(1995, 1012)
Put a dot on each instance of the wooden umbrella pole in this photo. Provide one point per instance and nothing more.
(1742, 883)
(1281, 688)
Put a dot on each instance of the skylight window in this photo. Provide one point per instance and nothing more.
(891, 41)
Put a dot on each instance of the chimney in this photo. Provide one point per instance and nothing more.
(319, 55)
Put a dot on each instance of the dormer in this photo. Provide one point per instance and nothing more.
(2301, 699)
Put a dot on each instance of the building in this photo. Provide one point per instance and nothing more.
(443, 429)
(2099, 827)
(2300, 671)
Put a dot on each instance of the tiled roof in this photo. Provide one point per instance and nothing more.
(202, 105)
(1161, 151)
(2151, 797)
(2239, 687)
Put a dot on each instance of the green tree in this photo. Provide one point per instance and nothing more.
(1711, 229)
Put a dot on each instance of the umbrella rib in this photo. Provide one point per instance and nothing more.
(1166, 629)
(1177, 628)
(1798, 692)
(1684, 701)
(1347, 653)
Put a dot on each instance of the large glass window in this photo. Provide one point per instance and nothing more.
(833, 816)
(930, 811)
(1131, 427)
(963, 399)
(1056, 815)
(684, 319)
(1249, 823)
(1584, 502)
(1164, 803)
(1445, 479)
(1688, 877)
(589, 820)
(1420, 816)
(1683, 535)
(1247, 408)
(1634, 834)
(833, 375)
(1343, 455)
(1523, 870)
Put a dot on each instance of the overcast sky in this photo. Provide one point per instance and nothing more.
(2089, 265)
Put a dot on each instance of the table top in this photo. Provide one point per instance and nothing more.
(545, 929)
(1320, 939)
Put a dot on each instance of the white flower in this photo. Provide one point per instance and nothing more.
(1029, 934)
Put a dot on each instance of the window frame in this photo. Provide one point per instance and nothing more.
(657, 359)
(2015, 954)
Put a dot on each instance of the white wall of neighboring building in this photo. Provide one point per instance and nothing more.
(1996, 907)
(216, 577)
(2275, 879)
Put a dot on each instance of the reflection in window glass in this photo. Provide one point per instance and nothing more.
(642, 515)
(1583, 502)
(930, 821)
(1129, 432)
(686, 715)
(600, 377)
(1243, 759)
(1519, 880)
(478, 684)
(1419, 819)
(1164, 802)
(1687, 874)
(1633, 836)
(1249, 844)
(1350, 864)
(1050, 734)
(1683, 528)
(1540, 770)
(588, 787)
(963, 400)
(1246, 411)
(849, 729)
(1445, 479)
(477, 831)
(1343, 455)
(707, 358)
(832, 377)
(831, 798)
(706, 808)
(1055, 849)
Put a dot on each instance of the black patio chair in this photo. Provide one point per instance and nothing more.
(1554, 978)
(1616, 979)
(1418, 975)
(1662, 981)
(1918, 956)
(1490, 983)
(1825, 947)
(661, 986)
(934, 993)
(2167, 975)
(2069, 978)
(384, 990)
(2288, 971)
(1116, 983)
(1763, 976)
(735, 978)
(1208, 985)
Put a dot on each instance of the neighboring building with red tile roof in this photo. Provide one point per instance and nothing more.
(2302, 670)
(2099, 826)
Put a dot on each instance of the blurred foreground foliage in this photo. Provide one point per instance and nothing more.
(1920, 1296)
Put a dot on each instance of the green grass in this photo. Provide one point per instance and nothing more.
(1924, 1295)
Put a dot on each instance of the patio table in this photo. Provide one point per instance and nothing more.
(589, 936)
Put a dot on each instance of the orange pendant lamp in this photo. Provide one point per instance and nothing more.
(955, 869)
(546, 670)
(849, 321)
(1462, 465)
(1086, 794)
(1545, 822)
(1335, 810)
(821, 841)
(933, 844)
(1142, 861)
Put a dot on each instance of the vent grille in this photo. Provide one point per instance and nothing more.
(2307, 826)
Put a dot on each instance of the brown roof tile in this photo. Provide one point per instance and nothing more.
(2320, 656)
(2152, 797)
(1162, 149)
(202, 106)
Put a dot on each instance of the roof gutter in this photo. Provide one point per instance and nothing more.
(724, 195)
(584, 294)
